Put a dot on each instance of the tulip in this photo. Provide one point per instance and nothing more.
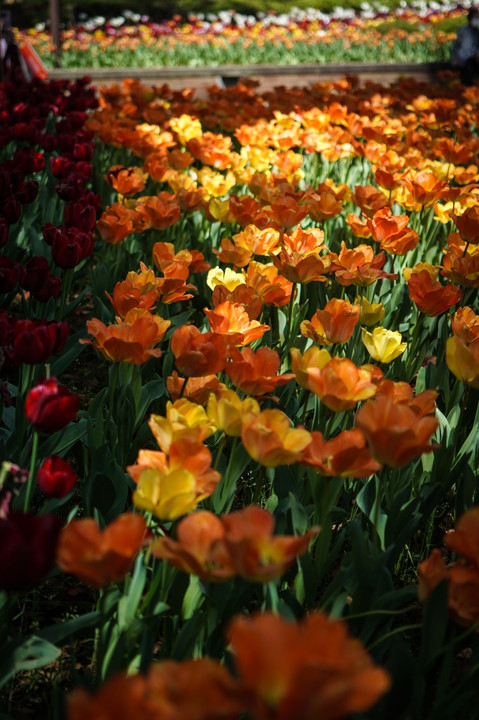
(383, 345)
(55, 477)
(28, 545)
(309, 670)
(50, 406)
(100, 557)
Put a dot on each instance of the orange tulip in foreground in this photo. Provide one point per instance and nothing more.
(137, 291)
(462, 577)
(346, 455)
(191, 690)
(310, 670)
(255, 373)
(99, 557)
(340, 384)
(196, 353)
(231, 319)
(335, 323)
(240, 543)
(468, 224)
(132, 340)
(116, 223)
(127, 181)
(270, 439)
(395, 434)
(359, 266)
(430, 296)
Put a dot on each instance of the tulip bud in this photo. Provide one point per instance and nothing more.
(55, 477)
(50, 406)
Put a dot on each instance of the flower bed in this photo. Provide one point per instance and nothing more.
(418, 33)
(239, 387)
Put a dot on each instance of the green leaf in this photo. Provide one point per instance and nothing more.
(435, 623)
(29, 654)
(58, 632)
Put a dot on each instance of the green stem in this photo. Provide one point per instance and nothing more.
(113, 385)
(31, 474)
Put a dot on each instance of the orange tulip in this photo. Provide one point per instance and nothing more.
(132, 340)
(270, 439)
(137, 291)
(309, 670)
(286, 211)
(430, 296)
(468, 224)
(243, 295)
(255, 373)
(199, 689)
(127, 181)
(460, 262)
(401, 393)
(462, 576)
(359, 228)
(369, 199)
(391, 233)
(272, 288)
(359, 266)
(198, 389)
(395, 433)
(100, 557)
(247, 211)
(196, 353)
(465, 325)
(334, 324)
(425, 188)
(231, 319)
(116, 223)
(159, 211)
(322, 204)
(300, 258)
(340, 385)
(346, 455)
(238, 544)
(171, 289)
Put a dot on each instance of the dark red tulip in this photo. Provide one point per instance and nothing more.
(10, 274)
(50, 289)
(28, 545)
(55, 477)
(36, 340)
(50, 406)
(3, 232)
(80, 215)
(71, 246)
(37, 271)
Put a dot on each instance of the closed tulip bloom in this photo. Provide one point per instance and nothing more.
(395, 434)
(383, 345)
(196, 353)
(463, 360)
(255, 373)
(55, 477)
(127, 181)
(371, 313)
(116, 223)
(180, 415)
(270, 439)
(310, 669)
(100, 557)
(50, 406)
(198, 389)
(159, 211)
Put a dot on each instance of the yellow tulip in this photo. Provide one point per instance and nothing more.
(463, 361)
(227, 411)
(383, 345)
(371, 313)
(227, 277)
(167, 495)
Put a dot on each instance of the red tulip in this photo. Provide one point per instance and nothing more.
(56, 477)
(50, 406)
